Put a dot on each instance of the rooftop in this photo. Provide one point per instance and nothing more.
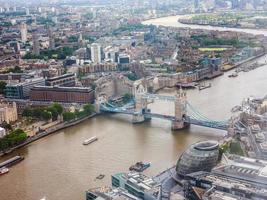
(62, 89)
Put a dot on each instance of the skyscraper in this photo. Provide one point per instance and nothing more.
(23, 32)
(51, 39)
(27, 10)
(96, 53)
(36, 45)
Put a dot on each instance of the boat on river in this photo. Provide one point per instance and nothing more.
(90, 140)
(100, 176)
(235, 74)
(139, 167)
(203, 86)
(4, 170)
(11, 161)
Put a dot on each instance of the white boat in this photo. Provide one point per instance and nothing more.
(4, 170)
(235, 74)
(90, 140)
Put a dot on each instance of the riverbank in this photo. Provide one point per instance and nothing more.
(173, 21)
(47, 132)
(244, 62)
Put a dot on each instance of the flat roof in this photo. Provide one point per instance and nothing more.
(60, 77)
(63, 89)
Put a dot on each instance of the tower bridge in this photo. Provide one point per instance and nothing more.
(184, 113)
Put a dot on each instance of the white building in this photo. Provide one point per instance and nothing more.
(23, 32)
(96, 53)
(2, 132)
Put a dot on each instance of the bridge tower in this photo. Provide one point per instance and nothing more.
(140, 103)
(180, 111)
(101, 99)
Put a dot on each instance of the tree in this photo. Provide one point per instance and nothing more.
(2, 87)
(27, 112)
(15, 137)
(58, 107)
(37, 113)
(68, 116)
(88, 109)
(53, 111)
(46, 115)
(5, 125)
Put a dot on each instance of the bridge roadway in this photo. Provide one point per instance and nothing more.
(189, 120)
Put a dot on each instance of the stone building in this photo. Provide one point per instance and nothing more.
(8, 112)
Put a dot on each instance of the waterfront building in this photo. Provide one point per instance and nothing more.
(65, 80)
(8, 112)
(23, 32)
(109, 194)
(22, 90)
(201, 156)
(237, 177)
(96, 53)
(137, 184)
(62, 94)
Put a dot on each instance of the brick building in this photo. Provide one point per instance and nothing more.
(66, 80)
(62, 94)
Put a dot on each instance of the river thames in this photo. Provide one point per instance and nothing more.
(59, 167)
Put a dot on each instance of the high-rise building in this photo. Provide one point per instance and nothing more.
(51, 39)
(23, 32)
(36, 45)
(27, 10)
(196, 4)
(96, 53)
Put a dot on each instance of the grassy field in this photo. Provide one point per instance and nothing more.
(212, 49)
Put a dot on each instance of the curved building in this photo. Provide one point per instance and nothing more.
(201, 156)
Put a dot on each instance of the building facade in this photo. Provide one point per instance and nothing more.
(8, 112)
(93, 68)
(96, 53)
(66, 80)
(22, 90)
(62, 94)
(23, 32)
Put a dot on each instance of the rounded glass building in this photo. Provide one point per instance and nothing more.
(201, 156)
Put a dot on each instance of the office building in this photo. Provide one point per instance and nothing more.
(62, 94)
(237, 178)
(8, 112)
(137, 184)
(27, 11)
(109, 194)
(65, 80)
(96, 53)
(123, 59)
(22, 90)
(23, 32)
(201, 156)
